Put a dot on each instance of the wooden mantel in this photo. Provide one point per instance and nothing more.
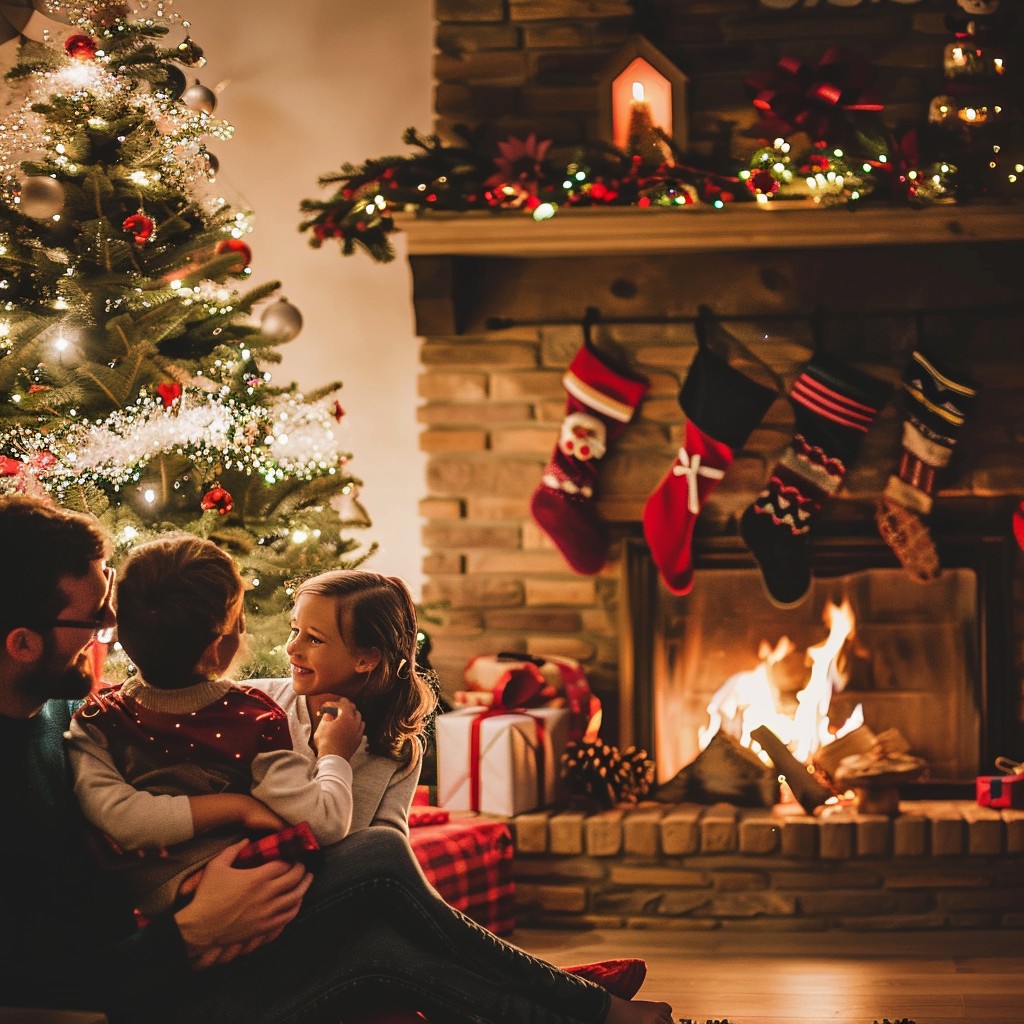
(474, 270)
(778, 225)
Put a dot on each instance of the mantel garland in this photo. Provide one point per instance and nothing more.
(820, 137)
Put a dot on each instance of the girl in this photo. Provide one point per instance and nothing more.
(353, 637)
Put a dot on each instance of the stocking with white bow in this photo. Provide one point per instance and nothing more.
(601, 400)
(722, 406)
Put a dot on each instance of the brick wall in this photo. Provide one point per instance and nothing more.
(520, 66)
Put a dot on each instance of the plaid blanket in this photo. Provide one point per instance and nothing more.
(469, 862)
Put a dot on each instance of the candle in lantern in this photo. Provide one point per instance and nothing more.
(643, 138)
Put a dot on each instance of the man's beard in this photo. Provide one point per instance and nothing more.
(70, 683)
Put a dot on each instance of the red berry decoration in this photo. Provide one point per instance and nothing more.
(169, 393)
(80, 47)
(337, 411)
(140, 226)
(233, 245)
(9, 466)
(219, 499)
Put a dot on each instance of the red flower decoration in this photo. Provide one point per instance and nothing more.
(9, 466)
(337, 411)
(219, 499)
(233, 245)
(80, 47)
(140, 226)
(761, 183)
(169, 393)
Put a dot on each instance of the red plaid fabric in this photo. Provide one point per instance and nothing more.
(294, 843)
(470, 864)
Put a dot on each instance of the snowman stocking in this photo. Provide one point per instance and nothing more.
(937, 406)
(833, 407)
(722, 406)
(601, 401)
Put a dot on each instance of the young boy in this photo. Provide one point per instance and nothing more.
(181, 728)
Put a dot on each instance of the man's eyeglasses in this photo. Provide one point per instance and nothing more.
(102, 628)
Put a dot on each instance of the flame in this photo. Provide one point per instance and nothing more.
(749, 699)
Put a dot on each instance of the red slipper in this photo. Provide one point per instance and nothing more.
(622, 978)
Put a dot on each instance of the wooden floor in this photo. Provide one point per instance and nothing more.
(760, 977)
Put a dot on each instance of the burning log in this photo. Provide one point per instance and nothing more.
(725, 771)
(809, 793)
(875, 775)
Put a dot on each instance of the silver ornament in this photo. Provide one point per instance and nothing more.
(281, 320)
(41, 197)
(199, 98)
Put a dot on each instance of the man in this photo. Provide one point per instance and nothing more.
(62, 923)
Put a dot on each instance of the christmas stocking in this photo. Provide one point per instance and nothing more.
(722, 406)
(601, 401)
(833, 406)
(937, 406)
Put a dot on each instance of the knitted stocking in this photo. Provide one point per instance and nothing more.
(936, 409)
(722, 407)
(601, 401)
(833, 406)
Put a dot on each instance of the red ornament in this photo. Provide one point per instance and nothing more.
(337, 411)
(80, 47)
(169, 393)
(219, 499)
(1018, 525)
(233, 245)
(9, 466)
(140, 226)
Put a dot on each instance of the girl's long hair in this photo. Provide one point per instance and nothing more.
(377, 612)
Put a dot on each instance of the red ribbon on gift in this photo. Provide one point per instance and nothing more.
(794, 96)
(521, 688)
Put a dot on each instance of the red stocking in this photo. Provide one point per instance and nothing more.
(601, 401)
(722, 406)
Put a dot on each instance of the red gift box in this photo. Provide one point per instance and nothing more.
(1000, 791)
(469, 863)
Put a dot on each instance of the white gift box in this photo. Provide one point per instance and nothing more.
(519, 764)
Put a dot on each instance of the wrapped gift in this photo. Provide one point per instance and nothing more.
(520, 680)
(1000, 791)
(498, 760)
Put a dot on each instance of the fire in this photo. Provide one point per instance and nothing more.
(787, 693)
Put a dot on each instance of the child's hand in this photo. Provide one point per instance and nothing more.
(340, 730)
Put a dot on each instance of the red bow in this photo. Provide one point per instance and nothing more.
(795, 97)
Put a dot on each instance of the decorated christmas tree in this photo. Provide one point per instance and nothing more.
(133, 366)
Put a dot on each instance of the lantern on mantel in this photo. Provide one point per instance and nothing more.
(641, 87)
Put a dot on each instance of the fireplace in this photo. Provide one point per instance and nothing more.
(928, 661)
(500, 303)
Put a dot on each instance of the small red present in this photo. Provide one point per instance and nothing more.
(1000, 791)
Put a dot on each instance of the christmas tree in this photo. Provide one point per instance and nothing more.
(133, 380)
